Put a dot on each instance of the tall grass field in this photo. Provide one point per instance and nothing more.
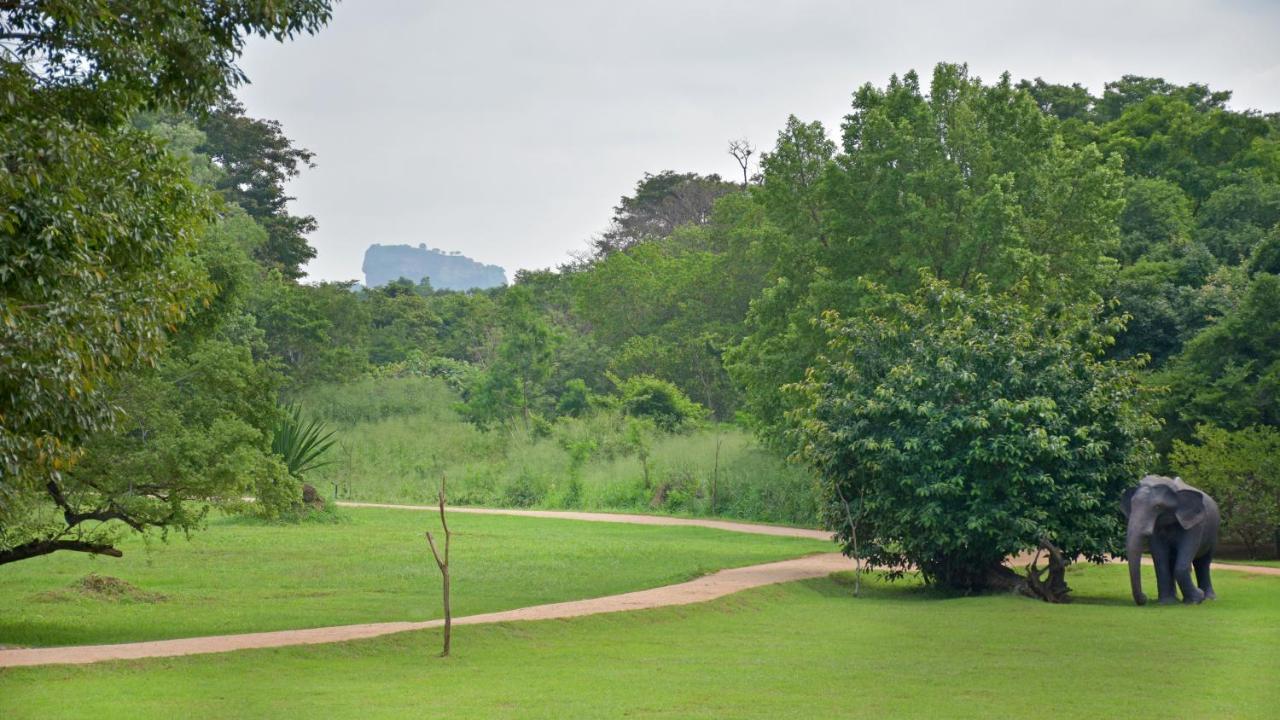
(396, 438)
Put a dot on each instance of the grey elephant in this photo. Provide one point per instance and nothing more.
(1180, 524)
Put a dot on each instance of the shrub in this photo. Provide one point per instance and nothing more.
(300, 443)
(645, 396)
(576, 400)
(525, 491)
(1241, 470)
(957, 428)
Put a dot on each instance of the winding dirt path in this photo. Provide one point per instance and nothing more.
(709, 587)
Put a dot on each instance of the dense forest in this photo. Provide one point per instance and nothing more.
(1113, 257)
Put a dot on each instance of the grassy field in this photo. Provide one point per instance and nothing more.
(241, 575)
(1246, 561)
(803, 650)
(397, 436)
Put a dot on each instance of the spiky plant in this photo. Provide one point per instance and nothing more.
(301, 442)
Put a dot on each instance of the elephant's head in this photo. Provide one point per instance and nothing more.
(1156, 502)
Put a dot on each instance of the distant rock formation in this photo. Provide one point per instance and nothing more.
(446, 270)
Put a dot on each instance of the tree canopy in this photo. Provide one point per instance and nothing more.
(99, 232)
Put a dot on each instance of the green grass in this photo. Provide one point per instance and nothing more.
(396, 437)
(243, 576)
(803, 650)
(1246, 561)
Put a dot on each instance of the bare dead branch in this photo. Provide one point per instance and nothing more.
(442, 561)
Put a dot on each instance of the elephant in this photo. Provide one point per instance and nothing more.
(1180, 523)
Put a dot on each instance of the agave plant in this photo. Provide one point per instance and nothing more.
(301, 443)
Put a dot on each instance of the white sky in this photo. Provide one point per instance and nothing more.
(508, 130)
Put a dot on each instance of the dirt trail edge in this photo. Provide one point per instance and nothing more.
(731, 526)
(709, 587)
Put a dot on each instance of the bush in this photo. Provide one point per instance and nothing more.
(645, 396)
(957, 428)
(1241, 470)
(455, 373)
(577, 399)
(525, 491)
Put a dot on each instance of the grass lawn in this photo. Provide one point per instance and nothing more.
(803, 650)
(243, 576)
(1245, 561)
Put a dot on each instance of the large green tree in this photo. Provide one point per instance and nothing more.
(953, 428)
(1241, 470)
(256, 159)
(98, 224)
(660, 204)
(514, 384)
(964, 179)
(1229, 374)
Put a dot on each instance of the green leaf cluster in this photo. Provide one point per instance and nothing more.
(1241, 470)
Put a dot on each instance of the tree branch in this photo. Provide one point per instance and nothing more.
(36, 548)
(74, 518)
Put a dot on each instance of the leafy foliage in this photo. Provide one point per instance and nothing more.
(256, 159)
(1241, 470)
(301, 442)
(645, 396)
(1229, 374)
(954, 428)
(99, 234)
(661, 204)
(514, 384)
(967, 179)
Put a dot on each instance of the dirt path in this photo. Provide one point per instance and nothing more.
(710, 587)
(742, 527)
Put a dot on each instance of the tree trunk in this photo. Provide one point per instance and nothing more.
(1048, 584)
(448, 614)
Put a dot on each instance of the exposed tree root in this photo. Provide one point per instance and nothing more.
(1048, 584)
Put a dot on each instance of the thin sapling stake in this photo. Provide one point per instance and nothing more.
(443, 563)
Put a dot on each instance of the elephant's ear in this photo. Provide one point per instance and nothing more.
(1190, 508)
(1126, 500)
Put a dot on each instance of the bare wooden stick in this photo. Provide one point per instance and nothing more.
(853, 531)
(443, 564)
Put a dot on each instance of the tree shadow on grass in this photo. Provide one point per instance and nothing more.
(876, 587)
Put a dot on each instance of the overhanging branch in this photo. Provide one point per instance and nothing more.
(37, 548)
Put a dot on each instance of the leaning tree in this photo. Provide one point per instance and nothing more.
(953, 429)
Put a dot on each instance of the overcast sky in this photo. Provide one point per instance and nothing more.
(508, 130)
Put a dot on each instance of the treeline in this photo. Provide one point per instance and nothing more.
(1152, 210)
(1155, 199)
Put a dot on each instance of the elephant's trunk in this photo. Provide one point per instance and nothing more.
(1133, 549)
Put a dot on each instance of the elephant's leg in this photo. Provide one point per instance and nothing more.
(1185, 551)
(1205, 584)
(1162, 558)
